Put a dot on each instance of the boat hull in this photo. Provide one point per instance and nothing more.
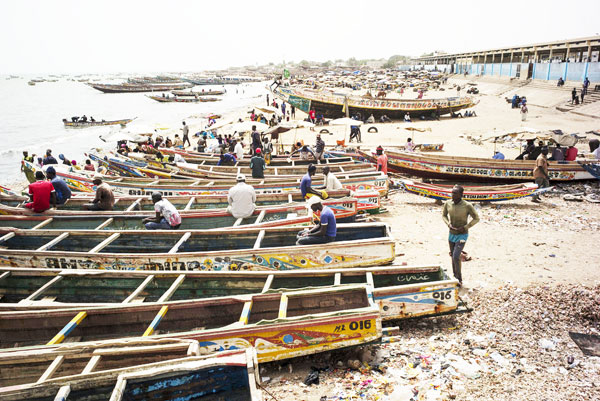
(86, 124)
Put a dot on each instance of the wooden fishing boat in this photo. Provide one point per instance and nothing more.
(278, 325)
(81, 124)
(164, 99)
(196, 93)
(203, 219)
(473, 193)
(165, 370)
(145, 186)
(399, 291)
(334, 105)
(129, 88)
(356, 245)
(479, 169)
(367, 201)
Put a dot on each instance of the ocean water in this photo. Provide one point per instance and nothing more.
(31, 117)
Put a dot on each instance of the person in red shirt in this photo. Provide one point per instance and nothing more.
(382, 161)
(571, 154)
(41, 193)
(312, 114)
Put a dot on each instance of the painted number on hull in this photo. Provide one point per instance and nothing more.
(353, 326)
(442, 295)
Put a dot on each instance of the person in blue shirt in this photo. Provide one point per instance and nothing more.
(63, 193)
(306, 182)
(323, 232)
(498, 156)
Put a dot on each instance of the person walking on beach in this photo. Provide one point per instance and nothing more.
(456, 214)
(540, 173)
(167, 217)
(104, 199)
(582, 94)
(573, 95)
(186, 135)
(256, 141)
(319, 148)
(293, 111)
(382, 160)
(524, 111)
(241, 199)
(257, 164)
(42, 194)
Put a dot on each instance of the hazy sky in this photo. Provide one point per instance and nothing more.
(137, 36)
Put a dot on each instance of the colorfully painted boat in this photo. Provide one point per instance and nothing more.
(145, 186)
(473, 193)
(196, 93)
(130, 88)
(367, 201)
(479, 169)
(278, 325)
(399, 291)
(356, 245)
(182, 99)
(335, 105)
(140, 369)
(82, 124)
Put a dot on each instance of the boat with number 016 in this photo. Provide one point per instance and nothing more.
(139, 369)
(278, 325)
(356, 245)
(488, 193)
(399, 291)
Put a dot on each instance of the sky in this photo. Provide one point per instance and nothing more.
(176, 36)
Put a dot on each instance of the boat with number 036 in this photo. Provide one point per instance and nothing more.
(278, 325)
(488, 193)
(479, 169)
(131, 370)
(399, 291)
(356, 245)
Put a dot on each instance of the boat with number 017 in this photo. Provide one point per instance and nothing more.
(278, 325)
(487, 193)
(128, 370)
(479, 169)
(356, 245)
(399, 291)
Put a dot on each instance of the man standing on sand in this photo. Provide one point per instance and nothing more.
(456, 214)
(319, 148)
(293, 111)
(540, 173)
(256, 141)
(186, 133)
(382, 161)
(573, 95)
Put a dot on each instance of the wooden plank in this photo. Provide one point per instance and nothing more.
(259, 239)
(260, 217)
(188, 206)
(91, 365)
(283, 303)
(209, 184)
(52, 368)
(43, 288)
(276, 173)
(290, 198)
(341, 169)
(119, 389)
(105, 243)
(134, 205)
(43, 223)
(153, 183)
(262, 182)
(6, 237)
(106, 223)
(4, 275)
(370, 286)
(183, 238)
(137, 291)
(245, 316)
(69, 327)
(169, 293)
(53, 242)
(268, 283)
(338, 279)
(238, 222)
(63, 393)
(194, 183)
(152, 328)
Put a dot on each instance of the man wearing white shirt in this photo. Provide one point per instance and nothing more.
(239, 150)
(331, 181)
(596, 153)
(241, 199)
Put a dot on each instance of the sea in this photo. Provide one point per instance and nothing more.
(31, 117)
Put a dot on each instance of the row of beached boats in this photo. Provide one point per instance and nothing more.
(91, 304)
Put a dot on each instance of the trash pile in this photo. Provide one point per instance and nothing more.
(515, 345)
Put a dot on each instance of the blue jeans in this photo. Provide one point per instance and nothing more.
(313, 239)
(163, 225)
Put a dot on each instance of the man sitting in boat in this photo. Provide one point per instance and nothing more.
(498, 155)
(167, 217)
(92, 119)
(74, 119)
(104, 199)
(241, 199)
(323, 232)
(306, 184)
(332, 183)
(63, 193)
(83, 119)
(42, 194)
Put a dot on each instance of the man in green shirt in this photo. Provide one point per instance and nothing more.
(257, 164)
(456, 215)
